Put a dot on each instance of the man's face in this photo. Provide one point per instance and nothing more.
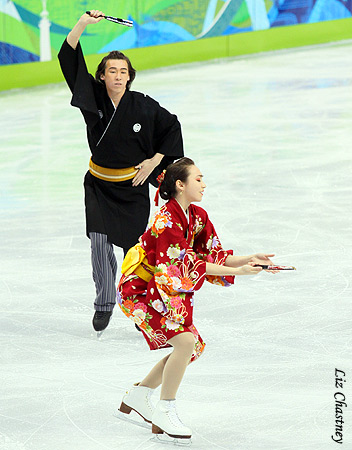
(116, 76)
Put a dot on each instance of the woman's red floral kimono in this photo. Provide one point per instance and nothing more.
(177, 248)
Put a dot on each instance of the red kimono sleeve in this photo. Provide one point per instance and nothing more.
(208, 247)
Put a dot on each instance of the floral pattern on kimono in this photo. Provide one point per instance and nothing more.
(208, 248)
(179, 250)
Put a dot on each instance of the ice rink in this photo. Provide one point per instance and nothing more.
(272, 136)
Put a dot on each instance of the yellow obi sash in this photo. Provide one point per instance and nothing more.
(111, 174)
(136, 262)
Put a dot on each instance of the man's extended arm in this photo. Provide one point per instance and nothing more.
(86, 19)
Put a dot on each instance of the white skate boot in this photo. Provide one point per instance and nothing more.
(138, 400)
(166, 420)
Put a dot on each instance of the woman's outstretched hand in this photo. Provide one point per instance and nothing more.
(263, 258)
(248, 269)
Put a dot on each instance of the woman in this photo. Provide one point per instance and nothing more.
(179, 250)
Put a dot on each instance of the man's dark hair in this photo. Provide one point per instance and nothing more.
(115, 55)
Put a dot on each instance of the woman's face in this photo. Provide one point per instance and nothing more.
(193, 188)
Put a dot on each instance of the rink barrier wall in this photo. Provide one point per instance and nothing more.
(40, 73)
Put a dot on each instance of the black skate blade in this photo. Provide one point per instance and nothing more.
(142, 423)
(166, 439)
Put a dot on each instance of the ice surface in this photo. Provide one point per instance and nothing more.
(272, 136)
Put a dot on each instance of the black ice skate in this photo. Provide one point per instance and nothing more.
(101, 321)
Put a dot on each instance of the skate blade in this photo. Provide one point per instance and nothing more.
(166, 439)
(99, 334)
(122, 416)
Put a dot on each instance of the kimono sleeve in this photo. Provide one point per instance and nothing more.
(208, 247)
(79, 81)
(178, 271)
(167, 139)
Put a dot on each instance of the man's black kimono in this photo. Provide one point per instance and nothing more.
(119, 138)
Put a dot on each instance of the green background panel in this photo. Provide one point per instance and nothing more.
(152, 7)
(19, 34)
(189, 15)
(32, 74)
(290, 36)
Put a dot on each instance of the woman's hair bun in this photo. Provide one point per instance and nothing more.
(178, 170)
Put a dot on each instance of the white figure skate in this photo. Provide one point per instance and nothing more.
(165, 420)
(138, 399)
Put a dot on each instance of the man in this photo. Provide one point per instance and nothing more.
(132, 139)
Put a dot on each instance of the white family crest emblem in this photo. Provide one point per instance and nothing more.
(137, 127)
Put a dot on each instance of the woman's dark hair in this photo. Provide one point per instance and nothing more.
(176, 171)
(115, 55)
